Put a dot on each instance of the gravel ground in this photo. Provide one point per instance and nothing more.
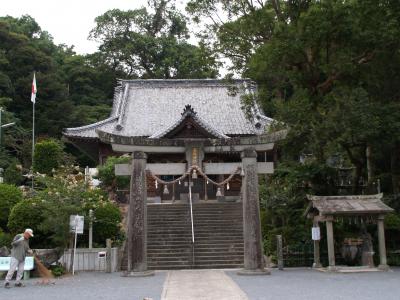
(298, 284)
(289, 284)
(90, 286)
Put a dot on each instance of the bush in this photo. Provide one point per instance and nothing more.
(64, 194)
(5, 239)
(9, 196)
(57, 270)
(107, 173)
(28, 213)
(48, 156)
(13, 175)
(107, 223)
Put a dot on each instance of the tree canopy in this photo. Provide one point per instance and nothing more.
(152, 42)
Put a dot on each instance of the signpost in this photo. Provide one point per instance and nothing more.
(315, 233)
(76, 224)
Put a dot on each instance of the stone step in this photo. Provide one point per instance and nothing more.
(208, 233)
(218, 233)
(167, 232)
(227, 257)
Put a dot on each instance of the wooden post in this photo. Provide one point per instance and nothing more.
(221, 177)
(331, 247)
(108, 256)
(382, 247)
(71, 246)
(137, 218)
(205, 190)
(317, 260)
(253, 252)
(90, 228)
(173, 190)
(279, 251)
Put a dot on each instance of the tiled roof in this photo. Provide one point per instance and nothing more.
(149, 107)
(349, 205)
(189, 112)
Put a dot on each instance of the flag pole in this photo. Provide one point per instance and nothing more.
(33, 137)
(33, 99)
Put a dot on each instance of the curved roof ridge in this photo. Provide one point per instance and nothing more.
(69, 131)
(189, 112)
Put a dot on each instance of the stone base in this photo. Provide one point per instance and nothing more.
(254, 272)
(316, 266)
(332, 269)
(383, 267)
(138, 274)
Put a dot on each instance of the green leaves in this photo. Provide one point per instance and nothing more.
(152, 43)
(9, 196)
(48, 156)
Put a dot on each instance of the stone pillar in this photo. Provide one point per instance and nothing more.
(317, 261)
(279, 251)
(253, 252)
(382, 247)
(108, 255)
(331, 246)
(137, 218)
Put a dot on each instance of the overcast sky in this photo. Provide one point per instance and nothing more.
(68, 21)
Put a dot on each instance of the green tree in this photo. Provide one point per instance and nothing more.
(107, 223)
(322, 68)
(10, 195)
(29, 213)
(107, 173)
(152, 43)
(48, 156)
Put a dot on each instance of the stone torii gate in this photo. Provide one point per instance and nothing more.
(250, 168)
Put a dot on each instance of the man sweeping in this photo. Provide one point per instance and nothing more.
(20, 247)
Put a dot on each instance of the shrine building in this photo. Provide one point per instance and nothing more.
(195, 158)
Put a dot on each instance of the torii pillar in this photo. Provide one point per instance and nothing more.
(253, 253)
(137, 218)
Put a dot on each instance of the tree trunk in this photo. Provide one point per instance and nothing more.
(370, 169)
(357, 176)
(395, 168)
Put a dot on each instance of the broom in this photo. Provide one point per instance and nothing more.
(44, 273)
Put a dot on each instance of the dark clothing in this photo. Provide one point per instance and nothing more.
(20, 246)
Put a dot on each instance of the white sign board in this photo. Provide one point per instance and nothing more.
(315, 234)
(76, 221)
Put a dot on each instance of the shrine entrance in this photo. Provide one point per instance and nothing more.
(143, 173)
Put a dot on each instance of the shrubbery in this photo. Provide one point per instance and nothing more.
(48, 156)
(64, 194)
(9, 196)
(29, 213)
(5, 239)
(107, 223)
(107, 173)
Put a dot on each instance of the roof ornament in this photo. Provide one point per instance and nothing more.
(188, 110)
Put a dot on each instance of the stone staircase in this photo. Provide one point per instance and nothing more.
(218, 229)
(169, 237)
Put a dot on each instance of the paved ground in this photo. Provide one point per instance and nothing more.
(90, 286)
(289, 284)
(205, 284)
(299, 284)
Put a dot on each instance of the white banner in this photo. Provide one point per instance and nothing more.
(315, 234)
